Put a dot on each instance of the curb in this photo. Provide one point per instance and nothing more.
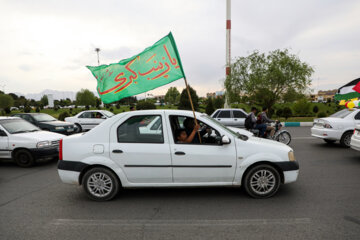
(297, 124)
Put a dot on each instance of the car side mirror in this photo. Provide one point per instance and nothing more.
(3, 133)
(103, 117)
(225, 140)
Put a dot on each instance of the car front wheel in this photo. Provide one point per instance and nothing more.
(101, 184)
(346, 139)
(77, 128)
(23, 158)
(262, 181)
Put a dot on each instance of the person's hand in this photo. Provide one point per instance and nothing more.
(196, 127)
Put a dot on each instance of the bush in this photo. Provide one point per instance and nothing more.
(302, 108)
(322, 115)
(209, 107)
(280, 112)
(63, 115)
(287, 112)
(117, 106)
(315, 109)
(7, 110)
(37, 109)
(111, 110)
(144, 105)
(27, 109)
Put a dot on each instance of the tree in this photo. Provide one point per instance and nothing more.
(315, 109)
(6, 101)
(302, 107)
(44, 100)
(264, 79)
(286, 113)
(209, 106)
(185, 102)
(171, 95)
(85, 97)
(291, 95)
(219, 102)
(144, 105)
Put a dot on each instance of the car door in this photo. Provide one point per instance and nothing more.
(357, 118)
(239, 118)
(224, 117)
(145, 158)
(85, 120)
(97, 118)
(4, 144)
(202, 163)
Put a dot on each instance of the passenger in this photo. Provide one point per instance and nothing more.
(261, 126)
(182, 137)
(98, 115)
(263, 119)
(189, 126)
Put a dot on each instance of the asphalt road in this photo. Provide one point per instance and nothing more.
(323, 204)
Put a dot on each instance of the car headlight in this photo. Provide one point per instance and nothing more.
(291, 156)
(59, 128)
(43, 144)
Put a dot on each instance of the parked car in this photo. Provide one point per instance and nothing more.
(338, 127)
(47, 122)
(241, 131)
(25, 143)
(118, 154)
(87, 120)
(234, 117)
(355, 139)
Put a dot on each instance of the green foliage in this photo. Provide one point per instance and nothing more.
(44, 100)
(286, 113)
(291, 95)
(219, 102)
(321, 115)
(144, 105)
(172, 96)
(302, 107)
(117, 106)
(6, 101)
(315, 109)
(37, 109)
(265, 79)
(209, 106)
(85, 97)
(279, 112)
(27, 109)
(63, 115)
(184, 103)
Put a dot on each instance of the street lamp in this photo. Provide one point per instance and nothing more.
(97, 50)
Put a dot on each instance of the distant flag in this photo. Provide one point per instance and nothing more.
(156, 66)
(349, 91)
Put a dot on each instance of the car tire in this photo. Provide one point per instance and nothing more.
(345, 139)
(23, 158)
(262, 181)
(78, 128)
(329, 141)
(100, 184)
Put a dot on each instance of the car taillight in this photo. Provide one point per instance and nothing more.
(354, 131)
(60, 149)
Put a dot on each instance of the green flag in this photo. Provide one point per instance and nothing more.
(156, 66)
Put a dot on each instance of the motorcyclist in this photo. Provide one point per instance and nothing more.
(263, 119)
(251, 123)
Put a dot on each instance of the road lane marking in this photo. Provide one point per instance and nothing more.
(298, 138)
(172, 222)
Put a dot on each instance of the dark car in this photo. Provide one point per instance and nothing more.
(47, 122)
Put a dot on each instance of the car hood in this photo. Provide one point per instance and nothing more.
(39, 136)
(56, 124)
(241, 131)
(269, 144)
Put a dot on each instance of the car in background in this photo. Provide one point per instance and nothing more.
(46, 122)
(355, 139)
(118, 154)
(25, 143)
(234, 117)
(337, 127)
(87, 120)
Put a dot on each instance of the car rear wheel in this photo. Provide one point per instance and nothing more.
(329, 141)
(101, 184)
(346, 139)
(77, 128)
(23, 158)
(262, 181)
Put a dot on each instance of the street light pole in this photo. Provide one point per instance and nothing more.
(97, 50)
(228, 45)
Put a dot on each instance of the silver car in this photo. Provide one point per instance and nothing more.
(234, 117)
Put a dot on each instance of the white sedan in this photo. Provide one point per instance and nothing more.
(87, 120)
(338, 127)
(118, 153)
(25, 143)
(355, 139)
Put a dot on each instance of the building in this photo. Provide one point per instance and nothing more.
(323, 96)
(215, 94)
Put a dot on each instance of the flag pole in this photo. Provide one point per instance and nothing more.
(192, 105)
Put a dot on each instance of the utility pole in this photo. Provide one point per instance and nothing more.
(97, 50)
(228, 45)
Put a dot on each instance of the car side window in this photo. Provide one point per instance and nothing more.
(27, 118)
(85, 115)
(357, 116)
(138, 129)
(224, 114)
(216, 113)
(239, 114)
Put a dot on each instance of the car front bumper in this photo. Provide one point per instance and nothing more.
(290, 170)
(325, 133)
(49, 152)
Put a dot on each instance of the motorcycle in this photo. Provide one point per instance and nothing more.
(280, 135)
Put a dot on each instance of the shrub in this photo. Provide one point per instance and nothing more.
(111, 110)
(37, 109)
(280, 112)
(117, 106)
(322, 115)
(302, 107)
(7, 110)
(315, 109)
(144, 105)
(27, 109)
(63, 115)
(287, 112)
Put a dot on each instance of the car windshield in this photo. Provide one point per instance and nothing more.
(43, 117)
(341, 114)
(14, 126)
(108, 114)
(238, 135)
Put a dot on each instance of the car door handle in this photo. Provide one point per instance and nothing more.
(117, 151)
(219, 119)
(179, 153)
(235, 119)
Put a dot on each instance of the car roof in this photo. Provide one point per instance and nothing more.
(8, 118)
(230, 109)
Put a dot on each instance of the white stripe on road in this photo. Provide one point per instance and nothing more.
(299, 138)
(146, 222)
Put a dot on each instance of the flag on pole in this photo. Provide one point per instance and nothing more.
(349, 91)
(156, 66)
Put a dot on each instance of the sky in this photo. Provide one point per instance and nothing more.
(46, 44)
